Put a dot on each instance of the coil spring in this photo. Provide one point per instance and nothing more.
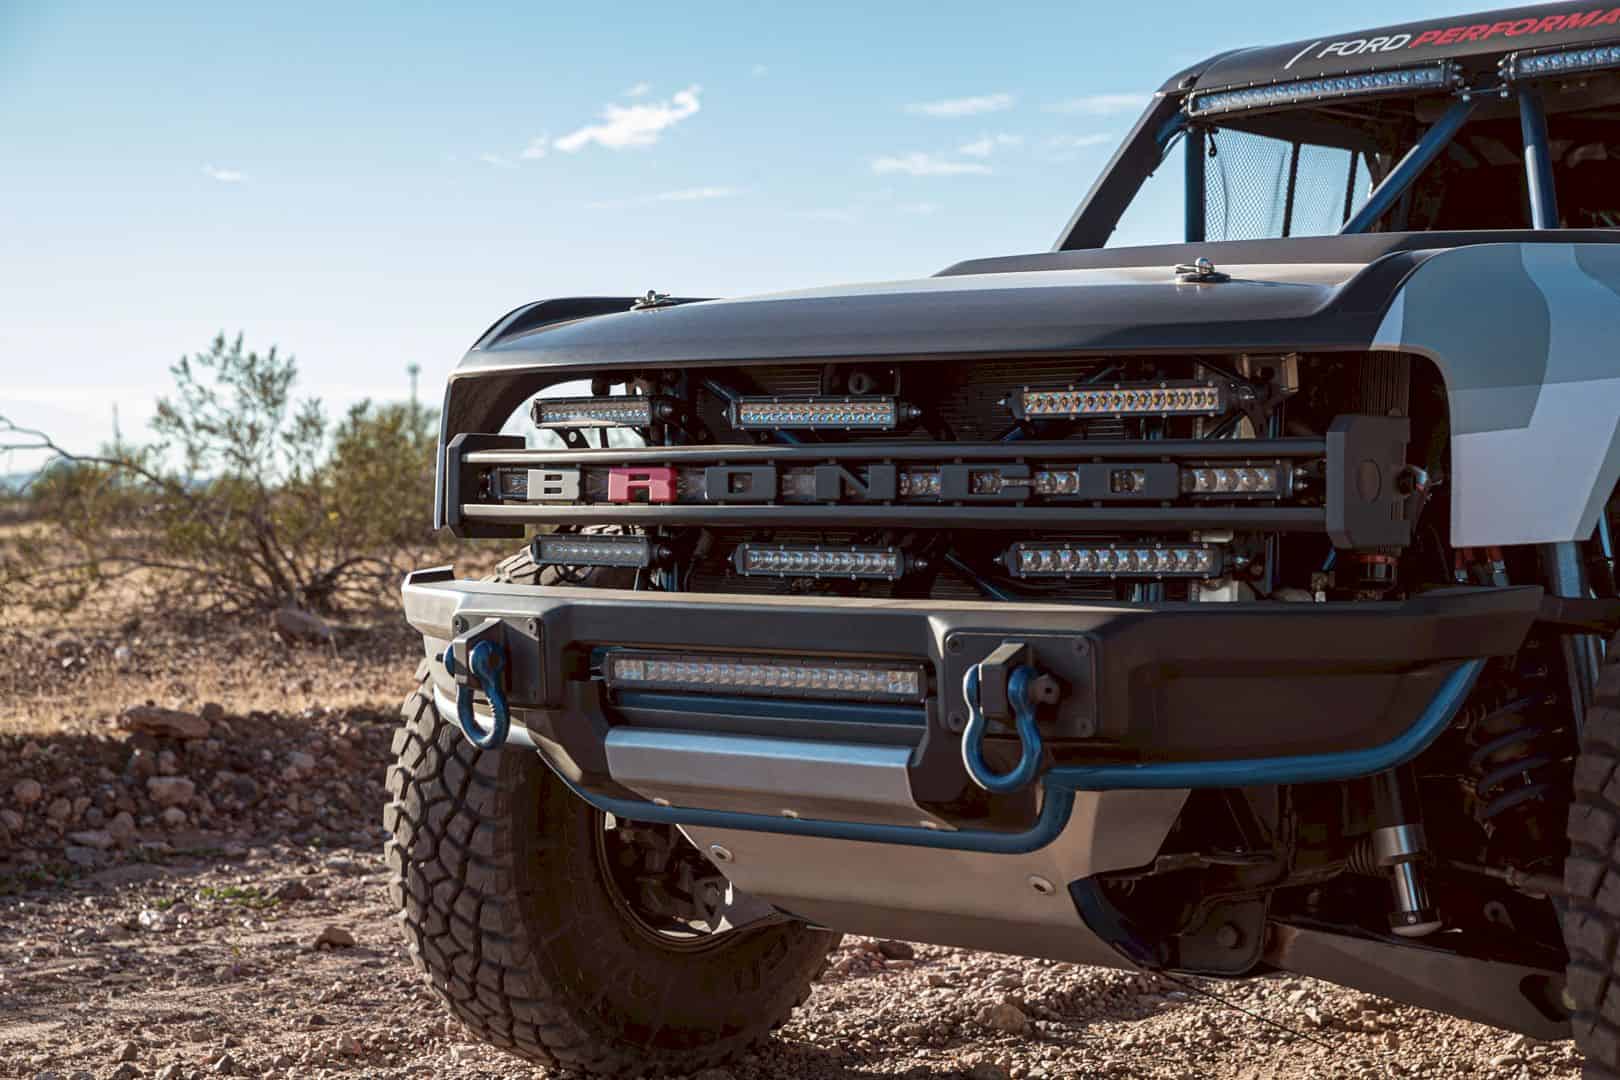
(1511, 762)
(1364, 860)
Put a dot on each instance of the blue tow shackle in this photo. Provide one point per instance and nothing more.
(1023, 708)
(485, 659)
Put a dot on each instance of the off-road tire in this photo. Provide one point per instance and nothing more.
(1592, 878)
(495, 870)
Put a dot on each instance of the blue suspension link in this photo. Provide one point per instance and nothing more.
(1029, 762)
(485, 660)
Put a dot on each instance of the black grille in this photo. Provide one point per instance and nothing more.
(963, 400)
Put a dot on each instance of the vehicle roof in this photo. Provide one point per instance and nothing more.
(1484, 35)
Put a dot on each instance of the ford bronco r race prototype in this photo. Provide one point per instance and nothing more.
(1222, 607)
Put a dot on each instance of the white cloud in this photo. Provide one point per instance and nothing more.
(497, 160)
(1099, 104)
(921, 209)
(537, 148)
(968, 106)
(758, 69)
(224, 176)
(832, 213)
(633, 125)
(926, 165)
(638, 90)
(986, 145)
(694, 194)
(1068, 147)
(690, 194)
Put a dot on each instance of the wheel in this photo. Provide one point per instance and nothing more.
(562, 935)
(1592, 879)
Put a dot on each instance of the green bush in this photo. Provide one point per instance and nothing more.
(247, 498)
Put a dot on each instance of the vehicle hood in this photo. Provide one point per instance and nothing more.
(1322, 294)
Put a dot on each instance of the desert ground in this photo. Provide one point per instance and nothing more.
(191, 885)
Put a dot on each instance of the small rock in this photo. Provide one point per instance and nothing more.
(129, 1051)
(59, 811)
(12, 820)
(935, 979)
(27, 792)
(896, 950)
(1392, 1041)
(987, 1070)
(123, 656)
(141, 764)
(298, 764)
(713, 1074)
(1504, 1061)
(349, 1046)
(292, 890)
(213, 712)
(1004, 1016)
(168, 1072)
(333, 937)
(1314, 1015)
(122, 826)
(170, 723)
(281, 1061)
(100, 839)
(81, 856)
(173, 817)
(167, 763)
(225, 1065)
(170, 790)
(293, 626)
(126, 1071)
(152, 919)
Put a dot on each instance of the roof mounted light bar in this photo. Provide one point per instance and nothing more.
(1437, 76)
(1551, 63)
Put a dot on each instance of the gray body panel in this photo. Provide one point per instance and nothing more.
(1525, 337)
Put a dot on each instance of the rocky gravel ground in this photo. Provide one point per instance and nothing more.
(195, 889)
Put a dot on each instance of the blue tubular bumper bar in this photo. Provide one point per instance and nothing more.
(1061, 784)
(1302, 769)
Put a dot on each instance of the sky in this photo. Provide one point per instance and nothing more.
(370, 186)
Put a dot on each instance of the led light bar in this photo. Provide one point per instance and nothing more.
(766, 676)
(1260, 480)
(921, 483)
(809, 560)
(1440, 76)
(567, 549)
(773, 413)
(1542, 64)
(594, 412)
(1121, 399)
(1040, 560)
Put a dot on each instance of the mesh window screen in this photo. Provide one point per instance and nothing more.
(1258, 188)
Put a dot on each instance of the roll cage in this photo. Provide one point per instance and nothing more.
(1398, 119)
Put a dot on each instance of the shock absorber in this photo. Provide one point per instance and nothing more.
(1399, 846)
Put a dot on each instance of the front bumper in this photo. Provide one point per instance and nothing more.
(1156, 696)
